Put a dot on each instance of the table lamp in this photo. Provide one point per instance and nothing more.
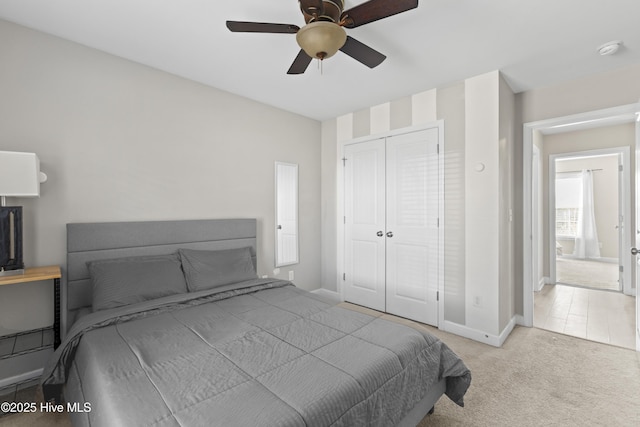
(20, 176)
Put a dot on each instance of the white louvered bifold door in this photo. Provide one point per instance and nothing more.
(412, 225)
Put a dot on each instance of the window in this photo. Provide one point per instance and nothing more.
(568, 193)
(566, 222)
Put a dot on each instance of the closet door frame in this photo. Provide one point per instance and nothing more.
(340, 253)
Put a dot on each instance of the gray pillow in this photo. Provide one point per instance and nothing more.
(210, 269)
(123, 281)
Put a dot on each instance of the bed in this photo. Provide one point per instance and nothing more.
(167, 324)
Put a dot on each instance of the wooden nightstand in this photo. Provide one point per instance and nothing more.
(36, 274)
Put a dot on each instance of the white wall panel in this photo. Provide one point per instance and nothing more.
(482, 202)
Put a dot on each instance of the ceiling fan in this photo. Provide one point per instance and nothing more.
(324, 34)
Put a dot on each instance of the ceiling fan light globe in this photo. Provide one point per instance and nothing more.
(321, 39)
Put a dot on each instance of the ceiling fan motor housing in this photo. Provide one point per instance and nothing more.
(321, 10)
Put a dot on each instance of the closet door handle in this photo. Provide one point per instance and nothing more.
(379, 234)
(390, 234)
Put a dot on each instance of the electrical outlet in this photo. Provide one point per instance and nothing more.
(477, 301)
(291, 275)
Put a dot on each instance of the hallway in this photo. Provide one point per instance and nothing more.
(602, 316)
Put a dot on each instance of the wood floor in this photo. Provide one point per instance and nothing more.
(597, 315)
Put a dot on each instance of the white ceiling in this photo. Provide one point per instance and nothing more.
(533, 42)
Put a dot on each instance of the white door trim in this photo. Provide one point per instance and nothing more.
(591, 117)
(536, 218)
(636, 239)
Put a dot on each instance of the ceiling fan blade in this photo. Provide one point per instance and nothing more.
(374, 10)
(362, 53)
(261, 27)
(300, 64)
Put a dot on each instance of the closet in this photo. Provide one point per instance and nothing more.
(392, 190)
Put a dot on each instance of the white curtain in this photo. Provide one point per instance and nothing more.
(586, 243)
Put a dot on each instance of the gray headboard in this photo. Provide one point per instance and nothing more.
(105, 240)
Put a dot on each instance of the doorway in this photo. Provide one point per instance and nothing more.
(532, 133)
(589, 199)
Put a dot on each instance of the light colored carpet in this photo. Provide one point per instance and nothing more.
(538, 378)
(592, 274)
(35, 419)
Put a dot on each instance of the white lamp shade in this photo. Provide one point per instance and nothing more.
(19, 174)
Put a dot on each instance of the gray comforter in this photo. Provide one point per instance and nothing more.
(259, 353)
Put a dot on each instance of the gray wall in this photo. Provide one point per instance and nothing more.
(329, 183)
(125, 142)
(450, 107)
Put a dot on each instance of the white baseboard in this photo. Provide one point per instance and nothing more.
(20, 378)
(480, 336)
(473, 334)
(507, 330)
(332, 295)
